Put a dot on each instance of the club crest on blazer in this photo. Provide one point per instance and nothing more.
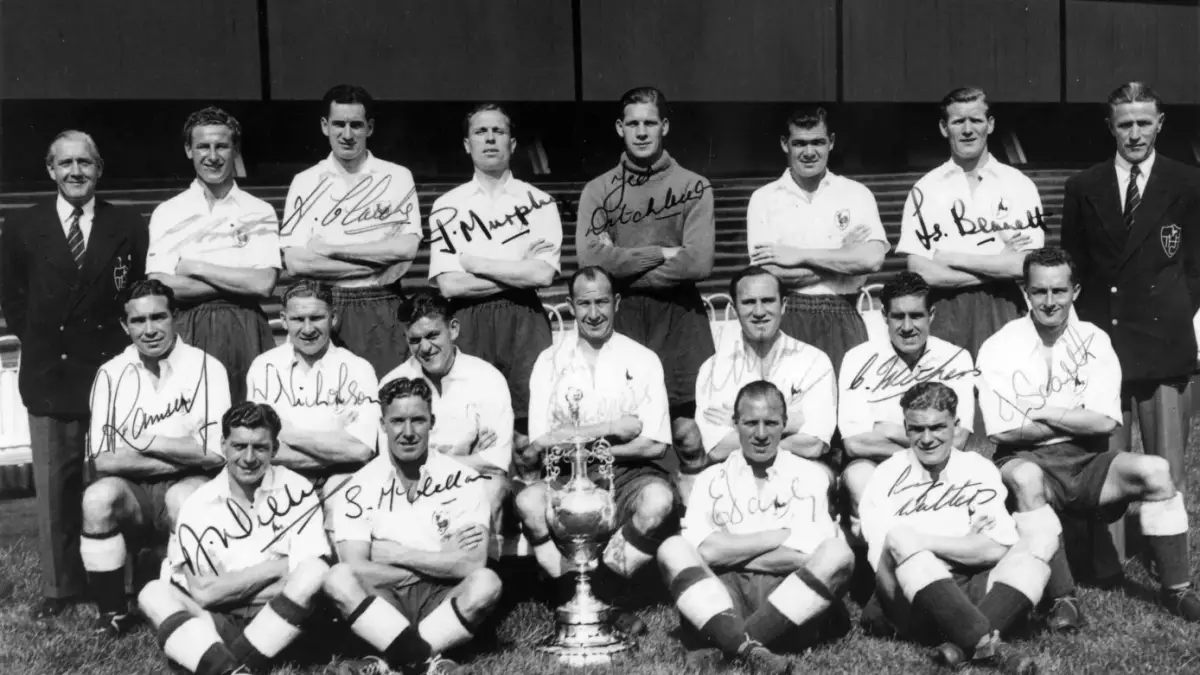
(1169, 237)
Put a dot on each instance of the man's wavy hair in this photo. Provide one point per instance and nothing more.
(212, 116)
(426, 303)
(309, 288)
(1052, 256)
(405, 387)
(759, 389)
(250, 415)
(903, 285)
(930, 396)
(144, 288)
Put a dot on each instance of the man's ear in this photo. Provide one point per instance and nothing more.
(943, 128)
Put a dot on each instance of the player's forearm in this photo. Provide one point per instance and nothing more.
(295, 460)
(723, 549)
(491, 460)
(686, 266)
(977, 550)
(795, 278)
(871, 445)
(188, 289)
(940, 276)
(780, 560)
(458, 285)
(725, 447)
(305, 262)
(255, 282)
(1007, 265)
(126, 461)
(511, 273)
(640, 448)
(235, 588)
(184, 451)
(1076, 422)
(1029, 433)
(611, 431)
(446, 564)
(373, 574)
(327, 447)
(804, 445)
(858, 258)
(381, 253)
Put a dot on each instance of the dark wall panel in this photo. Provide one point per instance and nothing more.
(711, 50)
(129, 49)
(1113, 42)
(452, 50)
(917, 50)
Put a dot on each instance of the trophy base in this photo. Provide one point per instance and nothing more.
(584, 635)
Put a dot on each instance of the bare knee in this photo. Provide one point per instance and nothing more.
(689, 446)
(306, 580)
(482, 589)
(1154, 474)
(855, 479)
(675, 554)
(531, 505)
(100, 504)
(342, 586)
(157, 601)
(177, 494)
(902, 543)
(655, 504)
(1027, 482)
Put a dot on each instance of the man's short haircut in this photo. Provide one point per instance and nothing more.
(250, 415)
(488, 107)
(1133, 92)
(147, 287)
(752, 271)
(759, 389)
(1052, 256)
(902, 285)
(74, 135)
(808, 117)
(309, 288)
(426, 303)
(963, 95)
(405, 387)
(212, 116)
(348, 94)
(644, 95)
(930, 396)
(591, 273)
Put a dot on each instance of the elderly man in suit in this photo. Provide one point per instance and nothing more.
(62, 266)
(1132, 225)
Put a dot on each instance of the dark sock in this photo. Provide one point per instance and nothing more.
(108, 590)
(766, 624)
(1002, 605)
(726, 629)
(959, 620)
(1170, 553)
(408, 647)
(1061, 583)
(218, 660)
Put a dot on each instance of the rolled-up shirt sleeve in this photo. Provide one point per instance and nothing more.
(817, 400)
(698, 522)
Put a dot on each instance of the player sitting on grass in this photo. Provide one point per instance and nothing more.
(245, 562)
(760, 566)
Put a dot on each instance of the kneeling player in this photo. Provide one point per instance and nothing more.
(234, 550)
(152, 438)
(412, 534)
(761, 521)
(950, 561)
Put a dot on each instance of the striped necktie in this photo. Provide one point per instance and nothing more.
(75, 237)
(1132, 197)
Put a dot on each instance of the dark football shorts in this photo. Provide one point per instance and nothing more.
(370, 326)
(508, 331)
(968, 316)
(232, 333)
(417, 600)
(830, 323)
(1074, 478)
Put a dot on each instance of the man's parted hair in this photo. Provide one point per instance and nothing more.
(758, 389)
(1052, 256)
(309, 288)
(74, 135)
(147, 287)
(212, 116)
(348, 94)
(426, 303)
(808, 117)
(644, 95)
(405, 387)
(488, 107)
(752, 271)
(963, 95)
(250, 415)
(930, 396)
(1133, 92)
(591, 273)
(902, 285)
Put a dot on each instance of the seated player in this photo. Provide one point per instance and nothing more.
(326, 397)
(876, 374)
(761, 566)
(246, 559)
(470, 397)
(763, 352)
(603, 385)
(1050, 390)
(950, 562)
(155, 410)
(412, 535)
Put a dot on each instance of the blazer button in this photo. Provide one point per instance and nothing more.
(1114, 289)
(64, 357)
(1114, 322)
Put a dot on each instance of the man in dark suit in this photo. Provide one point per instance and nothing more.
(1132, 225)
(62, 266)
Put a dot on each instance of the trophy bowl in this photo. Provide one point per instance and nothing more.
(582, 517)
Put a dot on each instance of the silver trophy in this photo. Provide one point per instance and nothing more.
(582, 517)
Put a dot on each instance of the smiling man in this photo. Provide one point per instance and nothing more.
(1131, 224)
(877, 373)
(246, 559)
(760, 567)
(821, 234)
(967, 226)
(217, 247)
(352, 220)
(494, 242)
(1050, 389)
(156, 409)
(412, 537)
(649, 223)
(604, 385)
(949, 559)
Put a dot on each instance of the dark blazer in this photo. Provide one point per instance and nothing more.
(68, 319)
(1141, 285)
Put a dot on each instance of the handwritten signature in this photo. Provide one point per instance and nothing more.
(953, 497)
(734, 367)
(362, 209)
(727, 510)
(240, 229)
(614, 211)
(446, 215)
(344, 392)
(894, 375)
(127, 421)
(1038, 394)
(927, 237)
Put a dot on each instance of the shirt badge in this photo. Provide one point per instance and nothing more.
(442, 521)
(1001, 209)
(121, 272)
(843, 219)
(1170, 239)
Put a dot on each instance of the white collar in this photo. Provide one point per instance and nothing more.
(737, 465)
(199, 193)
(789, 185)
(508, 184)
(173, 361)
(368, 166)
(272, 481)
(1145, 166)
(65, 209)
(990, 167)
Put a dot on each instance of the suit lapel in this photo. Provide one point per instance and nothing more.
(1105, 197)
(51, 242)
(106, 237)
(1161, 192)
